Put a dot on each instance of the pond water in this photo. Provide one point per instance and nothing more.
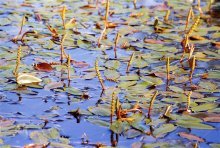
(60, 113)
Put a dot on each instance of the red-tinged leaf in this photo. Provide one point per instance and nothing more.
(136, 15)
(87, 7)
(5, 122)
(38, 17)
(26, 5)
(191, 137)
(53, 85)
(111, 25)
(43, 67)
(196, 37)
(153, 41)
(81, 64)
(216, 44)
(205, 76)
(211, 119)
(35, 146)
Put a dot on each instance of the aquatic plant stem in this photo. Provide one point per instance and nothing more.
(102, 34)
(166, 17)
(168, 68)
(152, 102)
(68, 66)
(112, 107)
(18, 61)
(190, 13)
(106, 10)
(192, 67)
(116, 42)
(99, 75)
(63, 16)
(130, 62)
(188, 101)
(62, 52)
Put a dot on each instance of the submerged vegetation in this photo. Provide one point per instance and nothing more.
(74, 73)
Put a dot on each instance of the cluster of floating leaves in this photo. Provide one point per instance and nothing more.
(135, 57)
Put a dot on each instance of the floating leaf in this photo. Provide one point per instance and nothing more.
(164, 129)
(43, 67)
(176, 89)
(100, 110)
(53, 85)
(132, 133)
(119, 126)
(111, 74)
(98, 122)
(204, 107)
(208, 85)
(191, 137)
(211, 119)
(191, 124)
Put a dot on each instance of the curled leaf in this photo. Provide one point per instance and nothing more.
(24, 78)
(43, 67)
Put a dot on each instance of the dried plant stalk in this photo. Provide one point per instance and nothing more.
(112, 107)
(166, 17)
(107, 10)
(62, 52)
(190, 13)
(26, 33)
(22, 24)
(152, 102)
(53, 31)
(21, 28)
(192, 67)
(135, 4)
(188, 100)
(63, 16)
(192, 48)
(168, 68)
(102, 34)
(168, 110)
(99, 75)
(18, 61)
(129, 63)
(193, 27)
(68, 66)
(116, 42)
